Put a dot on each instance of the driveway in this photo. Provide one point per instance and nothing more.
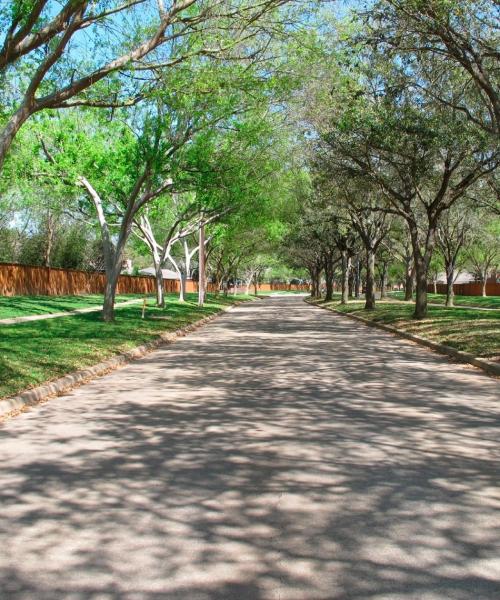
(280, 453)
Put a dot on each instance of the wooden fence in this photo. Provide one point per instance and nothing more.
(289, 287)
(474, 288)
(22, 280)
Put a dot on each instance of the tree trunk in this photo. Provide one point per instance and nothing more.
(9, 132)
(346, 267)
(409, 284)
(201, 259)
(383, 281)
(49, 241)
(255, 285)
(421, 288)
(108, 307)
(450, 293)
(217, 284)
(160, 296)
(182, 287)
(314, 283)
(329, 279)
(351, 283)
(483, 286)
(370, 280)
(357, 279)
(329, 289)
(435, 285)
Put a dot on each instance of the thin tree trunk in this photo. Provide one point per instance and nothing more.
(409, 284)
(160, 296)
(182, 287)
(217, 283)
(483, 286)
(357, 279)
(450, 293)
(421, 289)
(108, 307)
(201, 259)
(383, 281)
(50, 240)
(351, 284)
(314, 283)
(370, 280)
(435, 285)
(346, 267)
(329, 289)
(329, 279)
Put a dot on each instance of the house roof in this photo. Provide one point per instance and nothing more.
(167, 273)
(462, 277)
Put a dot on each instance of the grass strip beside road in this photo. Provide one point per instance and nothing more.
(471, 331)
(35, 352)
(472, 301)
(24, 306)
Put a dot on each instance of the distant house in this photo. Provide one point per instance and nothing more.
(462, 277)
(167, 273)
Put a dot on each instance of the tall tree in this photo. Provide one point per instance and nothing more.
(422, 160)
(457, 39)
(453, 233)
(54, 67)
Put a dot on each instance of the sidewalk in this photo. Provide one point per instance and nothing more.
(68, 313)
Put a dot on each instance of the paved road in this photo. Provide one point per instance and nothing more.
(282, 452)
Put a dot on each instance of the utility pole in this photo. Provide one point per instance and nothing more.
(201, 269)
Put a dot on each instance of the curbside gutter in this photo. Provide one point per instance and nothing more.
(466, 357)
(10, 407)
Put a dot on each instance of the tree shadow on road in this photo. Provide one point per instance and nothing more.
(302, 458)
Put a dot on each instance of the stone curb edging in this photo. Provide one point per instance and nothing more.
(466, 357)
(9, 407)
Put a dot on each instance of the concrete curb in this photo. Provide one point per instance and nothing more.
(490, 367)
(9, 407)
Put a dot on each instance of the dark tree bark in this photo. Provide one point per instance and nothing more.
(357, 279)
(409, 281)
(370, 280)
(351, 282)
(421, 269)
(383, 280)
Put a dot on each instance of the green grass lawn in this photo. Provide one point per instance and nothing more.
(483, 302)
(23, 306)
(34, 352)
(471, 331)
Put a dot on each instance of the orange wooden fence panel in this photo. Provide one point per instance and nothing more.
(474, 288)
(22, 280)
